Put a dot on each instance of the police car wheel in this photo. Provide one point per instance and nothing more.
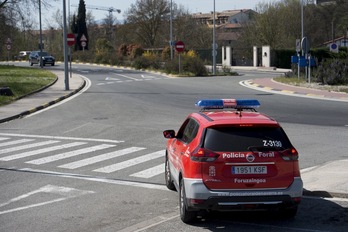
(185, 215)
(169, 182)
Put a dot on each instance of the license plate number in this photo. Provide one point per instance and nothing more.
(249, 170)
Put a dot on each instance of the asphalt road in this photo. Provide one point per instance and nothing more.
(127, 111)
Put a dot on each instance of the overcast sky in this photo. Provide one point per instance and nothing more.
(192, 6)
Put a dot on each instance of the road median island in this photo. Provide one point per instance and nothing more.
(22, 81)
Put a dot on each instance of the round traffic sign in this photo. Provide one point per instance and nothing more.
(71, 39)
(179, 46)
(83, 44)
(8, 46)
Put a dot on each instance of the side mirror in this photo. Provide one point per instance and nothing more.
(169, 134)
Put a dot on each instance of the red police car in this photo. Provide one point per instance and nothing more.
(228, 156)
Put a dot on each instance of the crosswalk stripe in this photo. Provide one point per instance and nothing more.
(151, 172)
(27, 146)
(99, 158)
(40, 151)
(69, 154)
(131, 162)
(1, 139)
(14, 142)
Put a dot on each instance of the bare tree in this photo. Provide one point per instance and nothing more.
(147, 18)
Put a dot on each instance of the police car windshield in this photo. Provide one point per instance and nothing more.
(242, 138)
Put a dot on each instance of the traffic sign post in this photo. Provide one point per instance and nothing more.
(179, 47)
(71, 40)
(8, 47)
(83, 41)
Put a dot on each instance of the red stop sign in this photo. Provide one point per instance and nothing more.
(71, 39)
(179, 46)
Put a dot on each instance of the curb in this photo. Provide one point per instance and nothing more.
(253, 85)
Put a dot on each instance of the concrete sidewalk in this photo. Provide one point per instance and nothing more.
(329, 180)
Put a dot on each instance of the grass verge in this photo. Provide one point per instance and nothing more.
(301, 82)
(22, 81)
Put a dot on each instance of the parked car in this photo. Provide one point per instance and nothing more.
(229, 157)
(34, 58)
(23, 55)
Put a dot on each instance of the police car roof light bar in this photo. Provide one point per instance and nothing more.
(228, 103)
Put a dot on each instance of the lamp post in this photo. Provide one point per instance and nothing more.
(41, 65)
(65, 45)
(302, 27)
(214, 43)
(171, 30)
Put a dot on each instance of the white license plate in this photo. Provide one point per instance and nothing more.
(249, 170)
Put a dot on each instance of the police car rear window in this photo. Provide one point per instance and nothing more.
(246, 138)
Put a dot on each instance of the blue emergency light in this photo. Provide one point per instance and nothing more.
(228, 103)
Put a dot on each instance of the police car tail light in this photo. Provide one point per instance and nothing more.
(203, 155)
(228, 103)
(289, 154)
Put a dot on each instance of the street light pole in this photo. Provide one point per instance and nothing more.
(171, 29)
(302, 27)
(65, 45)
(214, 43)
(41, 63)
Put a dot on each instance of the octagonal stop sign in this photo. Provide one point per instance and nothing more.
(71, 39)
(179, 46)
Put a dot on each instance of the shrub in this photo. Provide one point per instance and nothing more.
(166, 53)
(332, 72)
(141, 62)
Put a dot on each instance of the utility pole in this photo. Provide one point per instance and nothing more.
(171, 30)
(65, 45)
(41, 63)
(214, 43)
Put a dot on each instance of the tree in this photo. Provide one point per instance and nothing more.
(278, 24)
(81, 26)
(147, 18)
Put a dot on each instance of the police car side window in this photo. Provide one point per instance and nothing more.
(180, 133)
(190, 131)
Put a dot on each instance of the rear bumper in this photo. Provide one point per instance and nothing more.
(200, 197)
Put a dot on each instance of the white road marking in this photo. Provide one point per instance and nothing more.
(111, 79)
(144, 225)
(151, 172)
(14, 142)
(69, 154)
(99, 179)
(65, 192)
(61, 138)
(131, 162)
(132, 78)
(1, 139)
(40, 151)
(27, 146)
(99, 158)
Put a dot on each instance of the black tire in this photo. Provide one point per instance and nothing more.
(169, 182)
(185, 215)
(31, 63)
(52, 64)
